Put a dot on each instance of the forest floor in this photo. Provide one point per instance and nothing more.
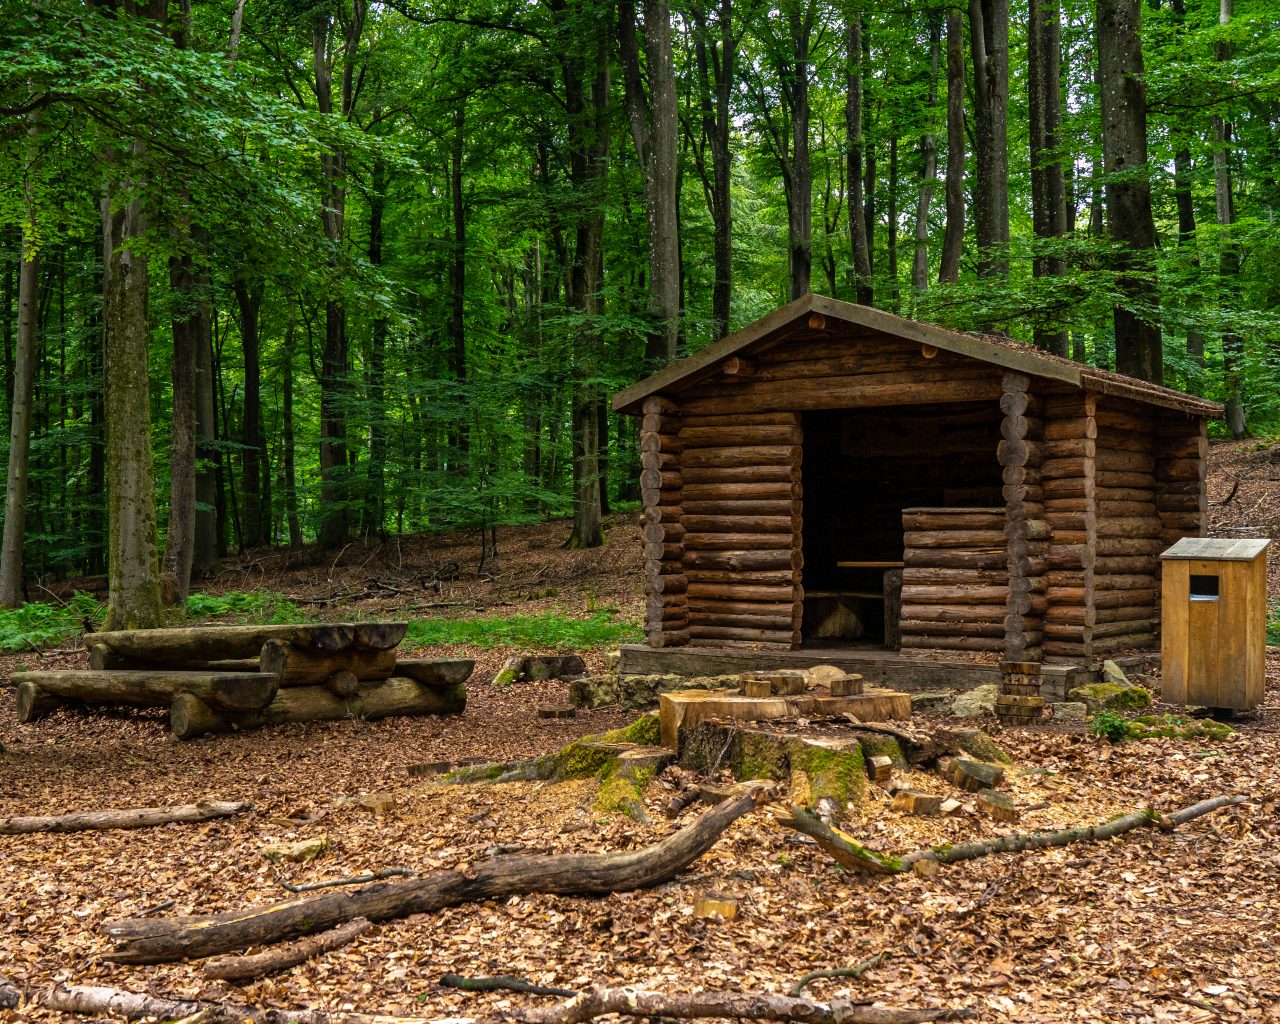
(1148, 928)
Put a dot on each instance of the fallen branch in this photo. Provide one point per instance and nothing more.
(503, 983)
(856, 971)
(93, 1000)
(372, 876)
(853, 855)
(598, 1002)
(136, 817)
(269, 961)
(163, 940)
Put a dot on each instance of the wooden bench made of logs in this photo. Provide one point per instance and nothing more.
(182, 647)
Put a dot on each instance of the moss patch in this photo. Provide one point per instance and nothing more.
(883, 746)
(622, 791)
(643, 732)
(1112, 696)
(1177, 727)
(829, 774)
(978, 744)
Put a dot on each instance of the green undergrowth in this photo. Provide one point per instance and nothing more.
(1117, 728)
(1273, 624)
(256, 606)
(38, 625)
(547, 630)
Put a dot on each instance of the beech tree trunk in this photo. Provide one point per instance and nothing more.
(136, 817)
(654, 128)
(1124, 153)
(375, 514)
(1229, 253)
(989, 44)
(1048, 187)
(860, 273)
(953, 237)
(800, 20)
(249, 302)
(24, 377)
(180, 536)
(929, 162)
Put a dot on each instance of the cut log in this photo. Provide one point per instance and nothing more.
(231, 691)
(169, 939)
(212, 643)
(379, 636)
(342, 683)
(135, 817)
(269, 961)
(297, 667)
(189, 716)
(997, 805)
(34, 703)
(435, 671)
(975, 776)
(914, 802)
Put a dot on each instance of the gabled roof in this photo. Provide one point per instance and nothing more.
(998, 351)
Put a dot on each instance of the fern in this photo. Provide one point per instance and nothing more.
(548, 630)
(257, 606)
(38, 625)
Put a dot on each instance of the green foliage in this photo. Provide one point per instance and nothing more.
(549, 630)
(1109, 725)
(38, 625)
(1116, 728)
(1273, 624)
(255, 606)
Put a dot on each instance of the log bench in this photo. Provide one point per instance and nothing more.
(225, 678)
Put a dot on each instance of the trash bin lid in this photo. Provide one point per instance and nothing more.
(1221, 549)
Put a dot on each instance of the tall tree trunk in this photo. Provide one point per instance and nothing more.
(928, 161)
(458, 282)
(1187, 238)
(205, 545)
(24, 373)
(1124, 153)
(800, 19)
(1048, 190)
(654, 130)
(953, 237)
(891, 246)
(286, 442)
(1229, 251)
(249, 303)
(860, 272)
(179, 540)
(375, 515)
(989, 44)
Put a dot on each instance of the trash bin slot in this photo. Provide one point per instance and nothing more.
(1204, 588)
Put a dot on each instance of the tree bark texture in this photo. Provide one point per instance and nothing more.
(1048, 186)
(929, 162)
(163, 940)
(953, 236)
(135, 817)
(800, 20)
(1128, 189)
(854, 143)
(654, 130)
(989, 45)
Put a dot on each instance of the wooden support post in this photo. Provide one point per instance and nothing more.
(667, 605)
(1026, 534)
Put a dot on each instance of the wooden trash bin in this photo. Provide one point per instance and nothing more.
(1214, 622)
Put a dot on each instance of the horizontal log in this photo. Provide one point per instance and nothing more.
(180, 646)
(435, 671)
(131, 818)
(737, 542)
(943, 617)
(1180, 502)
(663, 553)
(914, 593)
(743, 456)
(1129, 641)
(242, 691)
(742, 577)
(703, 607)
(189, 716)
(1128, 481)
(660, 423)
(1129, 526)
(1179, 469)
(659, 405)
(32, 703)
(1069, 428)
(926, 520)
(1128, 546)
(851, 392)
(662, 513)
(953, 643)
(748, 634)
(952, 558)
(699, 620)
(782, 490)
(742, 524)
(743, 507)
(737, 434)
(779, 474)
(662, 481)
(782, 594)
(744, 559)
(663, 462)
(1124, 461)
(971, 539)
(296, 667)
(1125, 509)
(915, 576)
(664, 533)
(1125, 565)
(1111, 418)
(737, 420)
(1068, 487)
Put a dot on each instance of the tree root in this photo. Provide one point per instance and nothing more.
(598, 1002)
(856, 857)
(245, 968)
(168, 939)
(856, 971)
(135, 817)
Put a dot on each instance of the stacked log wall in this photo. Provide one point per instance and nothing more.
(742, 528)
(1027, 532)
(666, 622)
(1068, 473)
(955, 585)
(1181, 459)
(1126, 588)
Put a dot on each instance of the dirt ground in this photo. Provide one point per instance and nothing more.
(1149, 928)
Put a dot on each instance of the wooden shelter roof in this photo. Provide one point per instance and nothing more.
(784, 322)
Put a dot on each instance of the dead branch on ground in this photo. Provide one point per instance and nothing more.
(503, 983)
(851, 854)
(245, 968)
(372, 876)
(598, 1002)
(167, 939)
(135, 817)
(856, 971)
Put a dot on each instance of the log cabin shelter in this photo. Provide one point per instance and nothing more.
(836, 483)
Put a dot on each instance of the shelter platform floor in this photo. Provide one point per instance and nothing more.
(900, 670)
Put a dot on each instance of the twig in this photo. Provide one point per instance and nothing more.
(164, 905)
(503, 983)
(856, 971)
(1235, 486)
(269, 961)
(373, 876)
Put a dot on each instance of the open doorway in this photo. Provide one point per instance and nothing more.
(862, 467)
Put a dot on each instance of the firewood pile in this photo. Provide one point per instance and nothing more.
(225, 678)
